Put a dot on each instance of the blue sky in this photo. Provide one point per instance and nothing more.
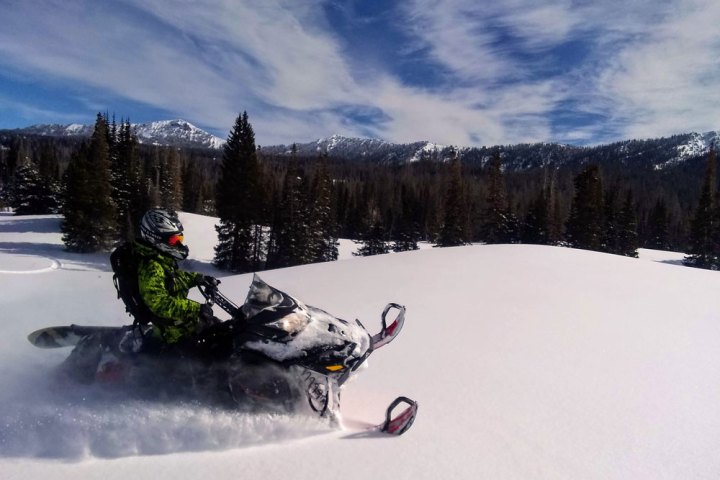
(462, 72)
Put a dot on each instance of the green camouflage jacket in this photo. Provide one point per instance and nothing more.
(164, 289)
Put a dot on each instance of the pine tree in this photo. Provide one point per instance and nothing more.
(374, 239)
(323, 222)
(611, 227)
(90, 217)
(659, 226)
(130, 191)
(406, 229)
(453, 230)
(353, 207)
(276, 227)
(193, 188)
(499, 225)
(584, 227)
(170, 180)
(537, 221)
(555, 221)
(33, 194)
(704, 228)
(291, 230)
(48, 165)
(627, 237)
(237, 202)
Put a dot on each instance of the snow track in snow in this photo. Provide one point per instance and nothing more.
(28, 264)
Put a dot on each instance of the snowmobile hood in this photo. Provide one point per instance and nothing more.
(334, 344)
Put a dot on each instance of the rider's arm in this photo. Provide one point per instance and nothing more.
(163, 303)
(188, 280)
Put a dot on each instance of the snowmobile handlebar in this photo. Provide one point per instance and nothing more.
(214, 297)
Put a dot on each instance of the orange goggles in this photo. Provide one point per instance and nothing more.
(175, 239)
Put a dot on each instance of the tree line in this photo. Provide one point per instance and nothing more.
(283, 210)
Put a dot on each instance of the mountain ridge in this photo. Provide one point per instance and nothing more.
(662, 152)
(174, 133)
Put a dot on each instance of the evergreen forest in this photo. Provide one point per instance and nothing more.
(281, 209)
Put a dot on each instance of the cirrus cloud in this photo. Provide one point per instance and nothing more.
(450, 71)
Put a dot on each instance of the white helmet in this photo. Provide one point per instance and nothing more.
(162, 229)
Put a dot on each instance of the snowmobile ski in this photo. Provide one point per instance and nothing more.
(400, 423)
(389, 332)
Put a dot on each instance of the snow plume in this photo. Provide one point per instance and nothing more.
(42, 417)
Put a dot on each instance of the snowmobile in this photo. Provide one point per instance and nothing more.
(274, 352)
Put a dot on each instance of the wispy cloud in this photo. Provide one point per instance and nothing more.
(647, 68)
(667, 81)
(504, 72)
(486, 49)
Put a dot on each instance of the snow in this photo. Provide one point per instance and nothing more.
(527, 362)
(75, 128)
(166, 131)
(698, 144)
(428, 148)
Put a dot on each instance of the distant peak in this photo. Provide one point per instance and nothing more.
(176, 132)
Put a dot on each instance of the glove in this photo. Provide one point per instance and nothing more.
(207, 318)
(208, 281)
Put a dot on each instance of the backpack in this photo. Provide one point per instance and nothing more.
(125, 262)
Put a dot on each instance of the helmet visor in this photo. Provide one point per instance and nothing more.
(175, 239)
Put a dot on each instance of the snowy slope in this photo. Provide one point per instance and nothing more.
(528, 362)
(697, 144)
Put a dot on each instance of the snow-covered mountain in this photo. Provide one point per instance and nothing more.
(57, 130)
(696, 144)
(175, 133)
(660, 153)
(367, 149)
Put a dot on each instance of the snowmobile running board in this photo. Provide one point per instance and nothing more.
(402, 422)
(67, 335)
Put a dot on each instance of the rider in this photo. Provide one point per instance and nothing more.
(164, 286)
